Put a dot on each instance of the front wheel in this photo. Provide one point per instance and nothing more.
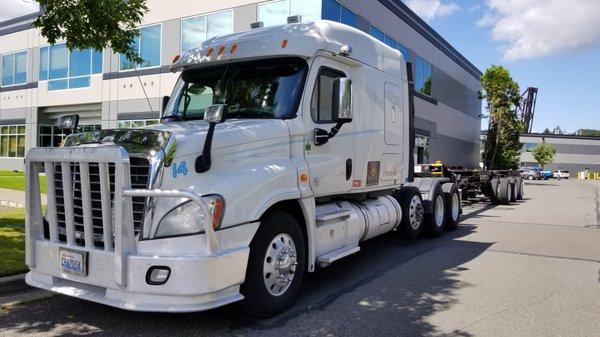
(275, 267)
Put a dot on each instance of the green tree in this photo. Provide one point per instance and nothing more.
(547, 131)
(502, 147)
(588, 132)
(93, 24)
(544, 154)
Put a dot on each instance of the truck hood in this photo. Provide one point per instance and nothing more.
(188, 136)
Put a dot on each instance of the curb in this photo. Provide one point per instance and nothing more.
(13, 283)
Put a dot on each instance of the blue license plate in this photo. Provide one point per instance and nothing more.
(73, 262)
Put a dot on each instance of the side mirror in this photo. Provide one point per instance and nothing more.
(342, 100)
(215, 113)
(163, 103)
(68, 122)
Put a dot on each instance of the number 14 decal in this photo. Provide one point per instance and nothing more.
(179, 169)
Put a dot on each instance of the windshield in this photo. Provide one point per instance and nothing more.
(257, 89)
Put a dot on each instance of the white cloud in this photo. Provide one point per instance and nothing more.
(534, 28)
(15, 8)
(431, 9)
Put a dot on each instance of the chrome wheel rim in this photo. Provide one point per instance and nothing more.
(455, 206)
(279, 266)
(415, 212)
(439, 211)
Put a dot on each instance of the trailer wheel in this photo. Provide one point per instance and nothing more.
(412, 211)
(513, 191)
(504, 191)
(494, 191)
(520, 189)
(452, 206)
(276, 266)
(436, 218)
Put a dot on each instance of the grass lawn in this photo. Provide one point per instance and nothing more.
(12, 242)
(16, 181)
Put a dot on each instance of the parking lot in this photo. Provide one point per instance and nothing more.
(531, 268)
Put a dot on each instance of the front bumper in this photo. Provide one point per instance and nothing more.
(196, 282)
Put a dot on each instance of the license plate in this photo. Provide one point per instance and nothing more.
(73, 262)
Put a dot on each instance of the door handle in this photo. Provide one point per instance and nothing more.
(348, 169)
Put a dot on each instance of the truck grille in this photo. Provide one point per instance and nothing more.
(139, 170)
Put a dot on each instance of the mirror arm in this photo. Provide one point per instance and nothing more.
(335, 130)
(203, 162)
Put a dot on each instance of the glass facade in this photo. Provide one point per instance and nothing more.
(14, 68)
(274, 13)
(64, 69)
(198, 29)
(12, 141)
(383, 37)
(334, 11)
(138, 123)
(422, 148)
(148, 46)
(423, 76)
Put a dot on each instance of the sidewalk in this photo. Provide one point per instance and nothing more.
(13, 198)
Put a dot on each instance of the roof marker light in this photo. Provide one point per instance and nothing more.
(221, 50)
(233, 48)
(176, 58)
(210, 51)
(284, 43)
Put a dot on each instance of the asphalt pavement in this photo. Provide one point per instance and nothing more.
(528, 269)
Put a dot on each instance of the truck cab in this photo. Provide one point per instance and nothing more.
(279, 150)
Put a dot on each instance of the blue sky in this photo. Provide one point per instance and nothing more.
(562, 60)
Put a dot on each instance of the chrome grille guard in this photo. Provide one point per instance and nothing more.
(117, 215)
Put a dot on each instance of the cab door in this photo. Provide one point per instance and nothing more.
(330, 165)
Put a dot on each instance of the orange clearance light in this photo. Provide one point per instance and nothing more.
(284, 43)
(233, 49)
(210, 51)
(221, 50)
(176, 58)
(303, 178)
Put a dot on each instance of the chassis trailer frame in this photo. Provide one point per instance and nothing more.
(500, 187)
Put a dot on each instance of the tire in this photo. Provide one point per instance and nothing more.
(273, 245)
(493, 191)
(504, 191)
(530, 178)
(435, 220)
(452, 206)
(520, 189)
(411, 204)
(513, 193)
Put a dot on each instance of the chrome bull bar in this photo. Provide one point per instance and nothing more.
(117, 215)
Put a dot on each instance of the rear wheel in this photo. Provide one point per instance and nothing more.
(520, 189)
(504, 191)
(452, 206)
(412, 212)
(276, 266)
(435, 219)
(513, 193)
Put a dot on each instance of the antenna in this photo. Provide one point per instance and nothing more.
(143, 88)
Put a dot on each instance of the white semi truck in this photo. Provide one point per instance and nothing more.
(280, 150)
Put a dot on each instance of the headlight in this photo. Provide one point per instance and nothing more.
(188, 218)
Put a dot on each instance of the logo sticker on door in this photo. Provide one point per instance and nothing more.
(373, 173)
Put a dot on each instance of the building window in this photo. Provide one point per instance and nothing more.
(64, 69)
(421, 152)
(422, 76)
(198, 29)
(274, 13)
(147, 46)
(14, 68)
(138, 123)
(52, 136)
(12, 141)
(334, 11)
(321, 104)
(383, 37)
(529, 147)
